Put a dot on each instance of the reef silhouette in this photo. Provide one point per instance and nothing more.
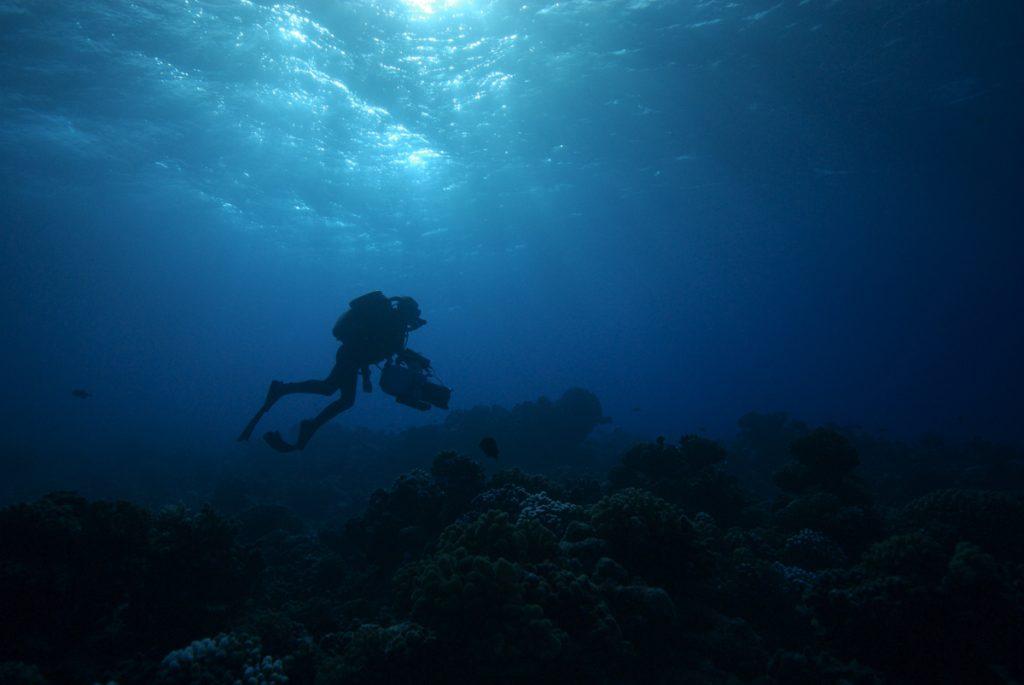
(664, 567)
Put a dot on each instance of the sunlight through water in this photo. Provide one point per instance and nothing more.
(428, 7)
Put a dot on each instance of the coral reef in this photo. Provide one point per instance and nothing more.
(822, 493)
(688, 474)
(401, 654)
(668, 571)
(85, 585)
(222, 659)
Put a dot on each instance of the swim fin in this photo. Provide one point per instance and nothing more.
(247, 431)
(274, 439)
(273, 395)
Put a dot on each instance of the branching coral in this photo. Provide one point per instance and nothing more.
(18, 673)
(812, 550)
(823, 493)
(401, 654)
(552, 514)
(650, 536)
(481, 607)
(992, 520)
(665, 575)
(226, 659)
(84, 582)
(399, 522)
(915, 610)
(494, 535)
(689, 475)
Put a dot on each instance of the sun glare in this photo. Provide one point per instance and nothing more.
(428, 7)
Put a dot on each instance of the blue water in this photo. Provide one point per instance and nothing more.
(694, 209)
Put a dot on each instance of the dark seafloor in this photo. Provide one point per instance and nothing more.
(838, 557)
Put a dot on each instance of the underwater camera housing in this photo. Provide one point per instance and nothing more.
(408, 381)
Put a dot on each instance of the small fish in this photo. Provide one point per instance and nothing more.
(81, 394)
(489, 446)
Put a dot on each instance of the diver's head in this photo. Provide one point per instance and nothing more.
(409, 311)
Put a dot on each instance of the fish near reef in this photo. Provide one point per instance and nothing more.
(489, 446)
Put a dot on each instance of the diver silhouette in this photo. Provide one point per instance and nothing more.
(373, 330)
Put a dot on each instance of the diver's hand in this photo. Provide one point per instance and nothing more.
(411, 357)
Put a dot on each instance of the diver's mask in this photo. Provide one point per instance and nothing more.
(409, 311)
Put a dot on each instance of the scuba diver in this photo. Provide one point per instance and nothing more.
(373, 330)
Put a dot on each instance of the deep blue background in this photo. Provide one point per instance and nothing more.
(694, 209)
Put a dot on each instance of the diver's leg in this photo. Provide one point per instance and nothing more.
(343, 403)
(309, 427)
(324, 387)
(278, 390)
